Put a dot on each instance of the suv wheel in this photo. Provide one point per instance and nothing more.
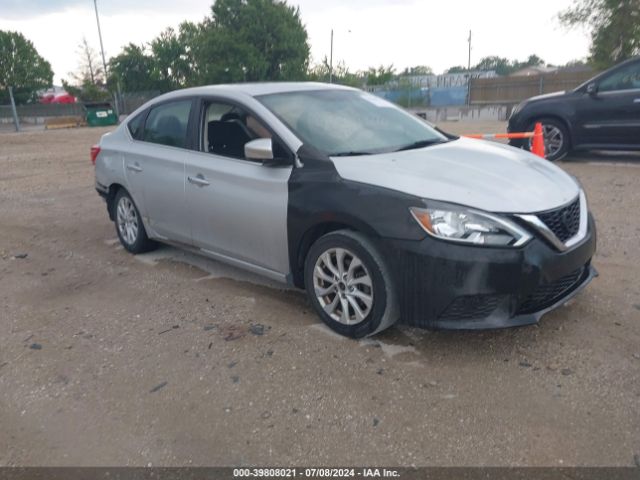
(131, 232)
(556, 138)
(349, 284)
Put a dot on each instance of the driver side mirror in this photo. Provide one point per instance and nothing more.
(592, 89)
(260, 149)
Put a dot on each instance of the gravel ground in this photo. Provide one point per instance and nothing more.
(169, 359)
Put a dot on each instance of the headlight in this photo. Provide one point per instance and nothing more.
(459, 224)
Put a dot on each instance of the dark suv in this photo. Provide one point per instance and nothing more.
(603, 113)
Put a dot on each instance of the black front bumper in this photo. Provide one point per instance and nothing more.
(444, 285)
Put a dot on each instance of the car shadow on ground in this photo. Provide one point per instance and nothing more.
(604, 156)
(401, 342)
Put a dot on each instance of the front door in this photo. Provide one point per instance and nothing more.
(612, 115)
(238, 207)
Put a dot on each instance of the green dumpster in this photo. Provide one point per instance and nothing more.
(100, 114)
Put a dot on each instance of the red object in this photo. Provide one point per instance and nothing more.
(63, 98)
(47, 98)
(486, 136)
(537, 147)
(95, 151)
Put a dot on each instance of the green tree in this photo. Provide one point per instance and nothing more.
(252, 40)
(169, 62)
(22, 68)
(341, 74)
(504, 66)
(132, 69)
(380, 75)
(418, 70)
(457, 69)
(533, 61)
(615, 28)
(172, 68)
(501, 65)
(190, 35)
(242, 40)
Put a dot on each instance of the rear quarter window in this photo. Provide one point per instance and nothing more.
(136, 126)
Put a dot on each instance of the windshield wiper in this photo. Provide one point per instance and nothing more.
(349, 154)
(419, 144)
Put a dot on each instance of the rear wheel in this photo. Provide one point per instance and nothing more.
(129, 227)
(349, 284)
(556, 138)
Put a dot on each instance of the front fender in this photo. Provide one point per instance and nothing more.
(320, 201)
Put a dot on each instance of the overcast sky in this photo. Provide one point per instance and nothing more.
(367, 32)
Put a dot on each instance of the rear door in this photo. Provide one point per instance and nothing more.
(155, 169)
(612, 116)
(238, 206)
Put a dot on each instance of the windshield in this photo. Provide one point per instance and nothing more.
(349, 122)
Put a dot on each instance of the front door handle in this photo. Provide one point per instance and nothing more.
(637, 100)
(134, 168)
(198, 180)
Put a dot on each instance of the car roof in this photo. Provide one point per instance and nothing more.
(256, 89)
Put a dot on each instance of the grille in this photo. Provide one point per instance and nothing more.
(470, 307)
(549, 293)
(563, 222)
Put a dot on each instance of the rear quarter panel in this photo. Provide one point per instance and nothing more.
(109, 168)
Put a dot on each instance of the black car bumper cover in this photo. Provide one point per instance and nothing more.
(444, 285)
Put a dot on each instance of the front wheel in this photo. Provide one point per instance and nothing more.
(556, 138)
(349, 284)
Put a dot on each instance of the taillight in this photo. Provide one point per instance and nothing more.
(95, 150)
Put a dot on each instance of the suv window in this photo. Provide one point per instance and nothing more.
(627, 78)
(167, 124)
(136, 125)
(227, 128)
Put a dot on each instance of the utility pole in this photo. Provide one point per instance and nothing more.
(469, 72)
(104, 61)
(331, 60)
(469, 62)
(16, 121)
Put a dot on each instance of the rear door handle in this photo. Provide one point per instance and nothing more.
(198, 180)
(134, 168)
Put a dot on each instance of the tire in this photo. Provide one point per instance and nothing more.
(368, 286)
(554, 130)
(129, 227)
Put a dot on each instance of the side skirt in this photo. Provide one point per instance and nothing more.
(235, 262)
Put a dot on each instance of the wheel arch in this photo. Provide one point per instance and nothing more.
(114, 188)
(318, 228)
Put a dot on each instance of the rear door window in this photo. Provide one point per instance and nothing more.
(136, 126)
(167, 124)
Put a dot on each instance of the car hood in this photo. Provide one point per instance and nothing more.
(546, 96)
(476, 173)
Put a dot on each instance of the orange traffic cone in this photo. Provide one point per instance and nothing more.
(537, 147)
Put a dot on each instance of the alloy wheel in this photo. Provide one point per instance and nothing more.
(343, 286)
(553, 140)
(127, 219)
